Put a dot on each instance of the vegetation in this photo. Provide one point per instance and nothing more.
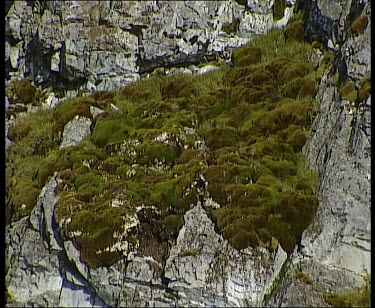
(359, 25)
(357, 297)
(242, 128)
(231, 27)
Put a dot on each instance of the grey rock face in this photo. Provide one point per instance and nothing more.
(100, 45)
(38, 271)
(75, 131)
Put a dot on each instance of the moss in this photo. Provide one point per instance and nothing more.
(68, 111)
(297, 140)
(250, 160)
(178, 87)
(278, 9)
(231, 27)
(247, 55)
(216, 138)
(172, 225)
(161, 153)
(348, 92)
(292, 71)
(359, 25)
(364, 90)
(136, 92)
(294, 30)
(302, 277)
(110, 130)
(356, 297)
(21, 91)
(299, 88)
(241, 238)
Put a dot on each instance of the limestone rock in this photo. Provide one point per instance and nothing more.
(110, 44)
(75, 131)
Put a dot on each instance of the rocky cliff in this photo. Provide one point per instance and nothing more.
(96, 45)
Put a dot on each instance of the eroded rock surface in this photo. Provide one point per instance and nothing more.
(100, 45)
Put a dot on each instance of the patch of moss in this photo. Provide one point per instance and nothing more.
(68, 111)
(216, 138)
(278, 9)
(364, 90)
(302, 277)
(178, 87)
(348, 92)
(21, 92)
(294, 30)
(359, 25)
(299, 88)
(231, 27)
(247, 55)
(356, 297)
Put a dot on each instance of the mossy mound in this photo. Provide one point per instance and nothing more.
(22, 92)
(129, 184)
(359, 25)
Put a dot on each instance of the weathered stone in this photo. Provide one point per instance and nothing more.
(75, 131)
(110, 44)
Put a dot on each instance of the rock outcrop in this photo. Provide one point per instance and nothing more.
(100, 45)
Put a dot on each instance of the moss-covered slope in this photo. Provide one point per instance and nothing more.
(241, 128)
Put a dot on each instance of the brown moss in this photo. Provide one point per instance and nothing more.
(278, 9)
(178, 87)
(294, 31)
(297, 140)
(348, 92)
(216, 138)
(247, 55)
(299, 88)
(359, 25)
(135, 91)
(261, 76)
(249, 95)
(232, 76)
(231, 27)
(292, 71)
(364, 89)
(21, 91)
